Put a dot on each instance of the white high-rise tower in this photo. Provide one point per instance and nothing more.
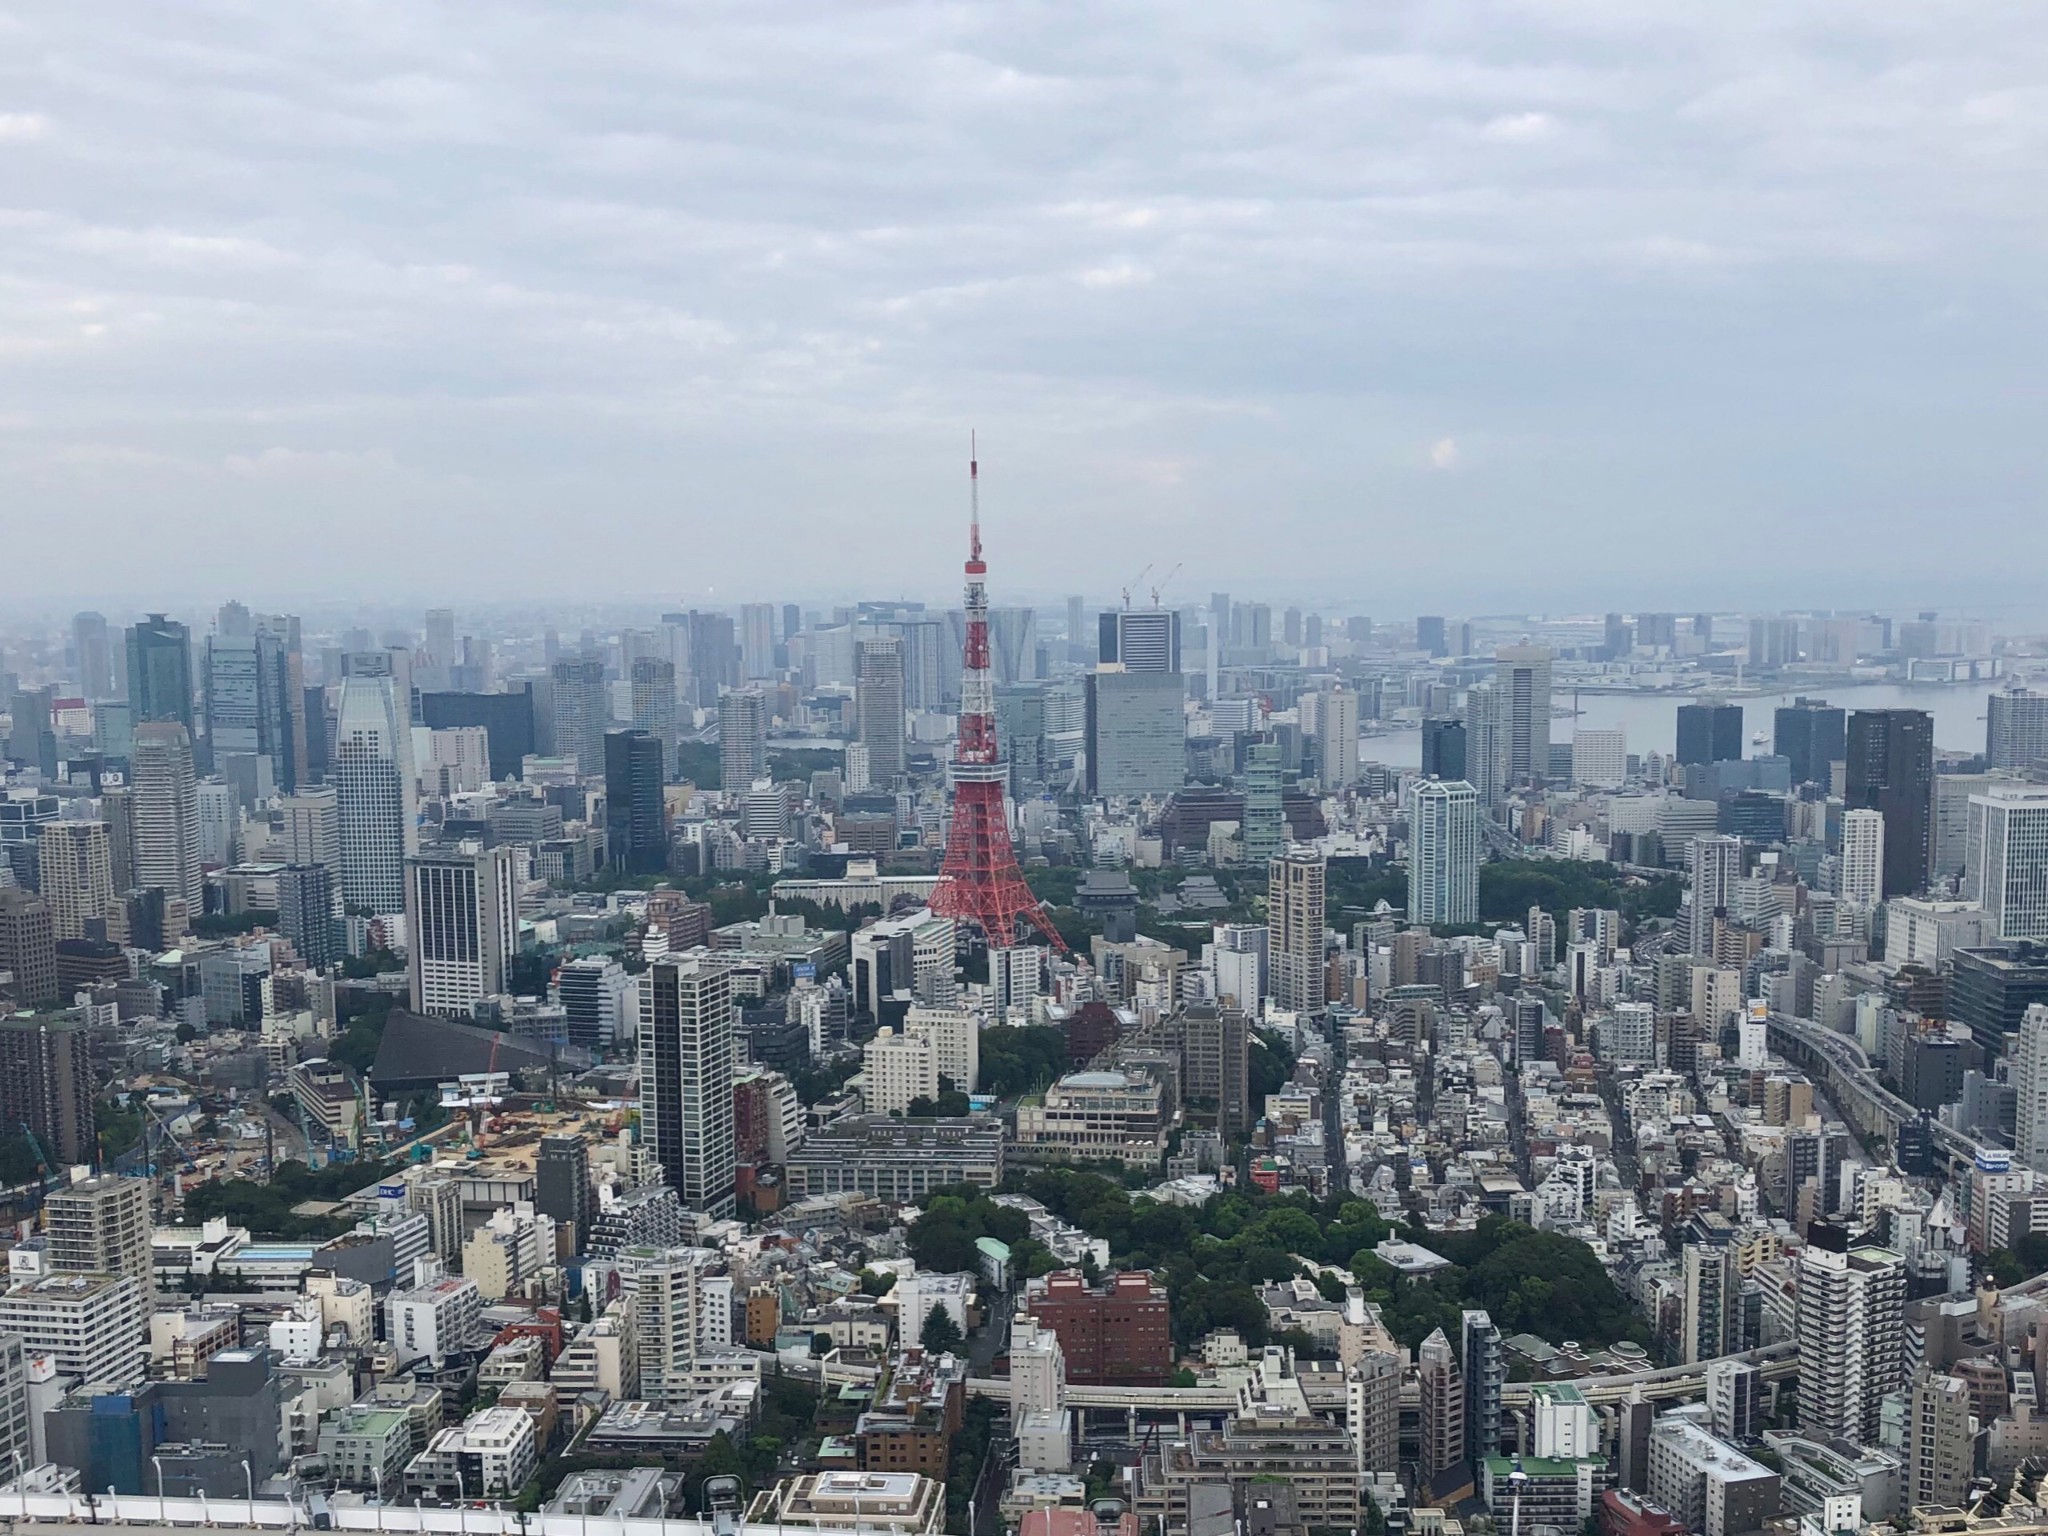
(164, 796)
(375, 811)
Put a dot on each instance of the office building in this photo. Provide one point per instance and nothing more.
(1443, 749)
(742, 738)
(1890, 755)
(1140, 640)
(91, 1325)
(2005, 866)
(102, 1226)
(1862, 867)
(757, 639)
(1136, 733)
(462, 926)
(1430, 635)
(1522, 681)
(879, 706)
(306, 915)
(1600, 758)
(595, 993)
(897, 1162)
(160, 672)
(510, 729)
(2030, 1089)
(1117, 1334)
(1296, 916)
(252, 693)
(1991, 988)
(312, 827)
(1216, 1062)
(1709, 733)
(1265, 821)
(1443, 853)
(1812, 736)
(1850, 1326)
(434, 1316)
(653, 684)
(1337, 738)
(1709, 1486)
(376, 821)
(2016, 729)
(28, 948)
(686, 1077)
(164, 800)
(76, 867)
(1940, 1445)
(582, 711)
(93, 655)
(636, 815)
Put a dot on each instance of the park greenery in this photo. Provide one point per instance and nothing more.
(1017, 1059)
(943, 1237)
(267, 1209)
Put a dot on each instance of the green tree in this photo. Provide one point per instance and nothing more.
(941, 1334)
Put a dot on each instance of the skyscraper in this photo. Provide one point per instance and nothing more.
(1296, 914)
(1522, 678)
(2005, 866)
(375, 815)
(249, 703)
(1484, 1367)
(636, 816)
(654, 699)
(165, 799)
(95, 654)
(1863, 857)
(160, 671)
(878, 706)
(1712, 1286)
(1443, 749)
(28, 947)
(1891, 769)
(1429, 635)
(312, 826)
(77, 868)
(1716, 866)
(1443, 1406)
(1265, 819)
(1337, 738)
(442, 651)
(1850, 1323)
(742, 739)
(1811, 735)
(757, 639)
(46, 1084)
(2030, 1083)
(1485, 743)
(1140, 639)
(1709, 733)
(686, 1073)
(1080, 643)
(582, 711)
(2016, 729)
(1443, 852)
(461, 926)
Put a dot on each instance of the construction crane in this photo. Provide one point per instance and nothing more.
(42, 1161)
(1165, 581)
(1137, 580)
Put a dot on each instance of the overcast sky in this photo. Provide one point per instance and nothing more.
(1399, 306)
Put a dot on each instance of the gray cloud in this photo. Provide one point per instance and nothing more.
(1386, 303)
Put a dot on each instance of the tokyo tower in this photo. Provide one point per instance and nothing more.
(980, 880)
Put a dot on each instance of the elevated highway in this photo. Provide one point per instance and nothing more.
(1856, 1089)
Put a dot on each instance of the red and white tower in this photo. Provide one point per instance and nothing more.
(980, 880)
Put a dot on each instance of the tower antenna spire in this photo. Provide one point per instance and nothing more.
(973, 497)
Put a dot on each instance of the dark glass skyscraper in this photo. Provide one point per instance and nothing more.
(1810, 734)
(636, 823)
(1891, 770)
(1443, 749)
(160, 671)
(1709, 733)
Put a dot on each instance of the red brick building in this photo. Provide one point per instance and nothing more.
(1118, 1336)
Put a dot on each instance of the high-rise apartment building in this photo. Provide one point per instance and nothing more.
(1812, 736)
(2030, 1084)
(376, 824)
(28, 947)
(1443, 852)
(160, 671)
(2016, 729)
(636, 813)
(305, 913)
(312, 826)
(1712, 1301)
(164, 792)
(102, 1226)
(1295, 919)
(742, 738)
(1485, 743)
(878, 706)
(46, 1084)
(1863, 858)
(1522, 679)
(1850, 1324)
(1940, 1443)
(1709, 733)
(77, 870)
(1716, 867)
(561, 1186)
(1337, 738)
(1443, 1406)
(1483, 1364)
(653, 681)
(2005, 867)
(686, 1075)
(1890, 756)
(583, 710)
(461, 926)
